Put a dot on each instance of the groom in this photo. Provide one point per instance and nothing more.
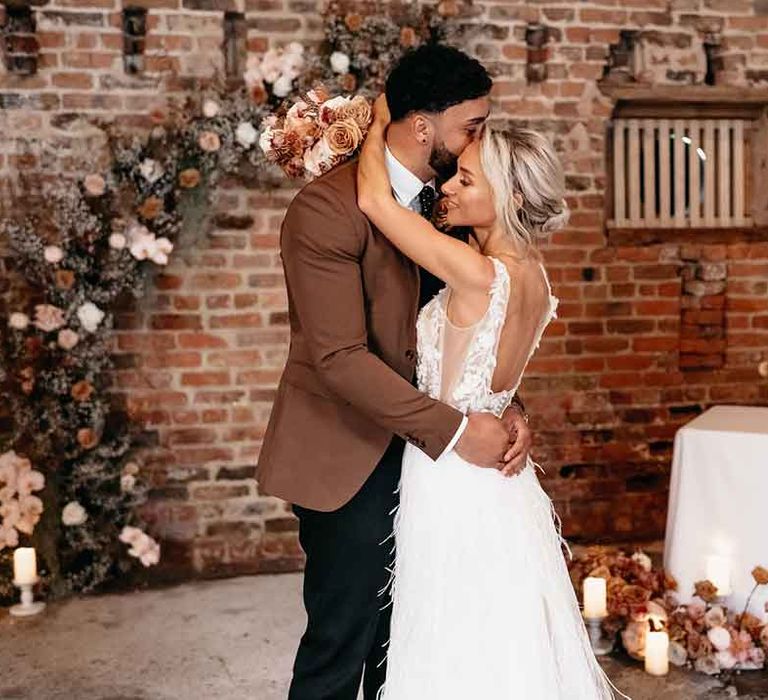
(346, 403)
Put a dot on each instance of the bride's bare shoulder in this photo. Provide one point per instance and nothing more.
(528, 278)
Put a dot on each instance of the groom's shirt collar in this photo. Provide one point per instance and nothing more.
(405, 184)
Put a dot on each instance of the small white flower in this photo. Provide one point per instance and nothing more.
(643, 560)
(53, 254)
(210, 108)
(90, 316)
(131, 468)
(117, 241)
(151, 170)
(282, 86)
(295, 48)
(720, 638)
(73, 514)
(18, 320)
(339, 62)
(67, 339)
(127, 482)
(160, 251)
(246, 135)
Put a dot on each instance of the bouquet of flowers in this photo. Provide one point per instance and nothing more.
(703, 634)
(317, 133)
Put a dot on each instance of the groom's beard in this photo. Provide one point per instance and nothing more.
(443, 162)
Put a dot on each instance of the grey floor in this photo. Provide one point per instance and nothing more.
(230, 639)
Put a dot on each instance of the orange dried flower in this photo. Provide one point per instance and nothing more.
(348, 82)
(353, 21)
(189, 178)
(150, 207)
(760, 574)
(258, 93)
(86, 438)
(448, 8)
(408, 37)
(82, 390)
(706, 590)
(65, 279)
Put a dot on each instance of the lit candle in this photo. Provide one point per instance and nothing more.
(594, 598)
(719, 573)
(24, 565)
(657, 653)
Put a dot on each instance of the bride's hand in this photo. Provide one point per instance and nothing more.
(381, 114)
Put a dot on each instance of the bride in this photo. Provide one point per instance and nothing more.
(483, 605)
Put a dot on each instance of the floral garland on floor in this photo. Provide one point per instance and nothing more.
(69, 485)
(704, 635)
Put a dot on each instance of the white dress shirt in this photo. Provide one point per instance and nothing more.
(406, 187)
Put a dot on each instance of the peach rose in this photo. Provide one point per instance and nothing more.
(68, 339)
(359, 109)
(95, 185)
(209, 141)
(189, 178)
(343, 137)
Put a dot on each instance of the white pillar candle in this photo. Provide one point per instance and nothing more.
(657, 653)
(719, 573)
(24, 565)
(595, 598)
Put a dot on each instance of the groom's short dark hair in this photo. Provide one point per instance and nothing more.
(432, 78)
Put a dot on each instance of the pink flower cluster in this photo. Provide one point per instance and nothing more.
(143, 547)
(317, 133)
(19, 509)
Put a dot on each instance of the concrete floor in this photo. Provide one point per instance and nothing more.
(230, 639)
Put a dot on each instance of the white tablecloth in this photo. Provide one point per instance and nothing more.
(718, 502)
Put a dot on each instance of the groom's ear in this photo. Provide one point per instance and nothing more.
(422, 129)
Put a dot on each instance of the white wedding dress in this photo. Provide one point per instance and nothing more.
(483, 607)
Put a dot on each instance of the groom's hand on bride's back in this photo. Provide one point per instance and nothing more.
(484, 441)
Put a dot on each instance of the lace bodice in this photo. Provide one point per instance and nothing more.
(471, 380)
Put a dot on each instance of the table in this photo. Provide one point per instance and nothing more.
(718, 501)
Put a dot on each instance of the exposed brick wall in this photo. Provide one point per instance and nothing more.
(614, 378)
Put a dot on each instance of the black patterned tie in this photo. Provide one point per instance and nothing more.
(427, 198)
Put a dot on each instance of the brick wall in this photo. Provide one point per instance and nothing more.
(201, 355)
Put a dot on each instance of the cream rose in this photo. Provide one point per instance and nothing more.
(73, 514)
(18, 320)
(67, 339)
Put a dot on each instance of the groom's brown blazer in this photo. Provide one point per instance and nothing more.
(346, 388)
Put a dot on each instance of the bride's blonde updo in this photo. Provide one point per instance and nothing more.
(527, 180)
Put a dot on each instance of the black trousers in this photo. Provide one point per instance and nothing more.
(347, 631)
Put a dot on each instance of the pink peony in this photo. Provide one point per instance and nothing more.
(48, 318)
(67, 339)
(30, 481)
(9, 537)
